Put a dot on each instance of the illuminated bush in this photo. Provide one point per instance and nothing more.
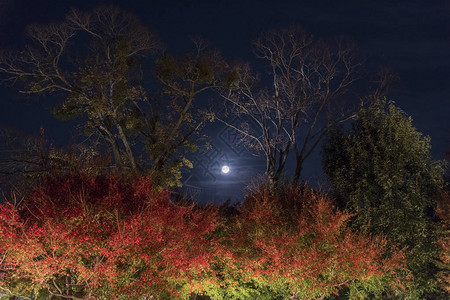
(295, 242)
(106, 238)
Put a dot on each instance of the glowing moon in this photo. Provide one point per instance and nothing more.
(225, 169)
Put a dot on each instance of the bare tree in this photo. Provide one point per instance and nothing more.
(91, 58)
(307, 76)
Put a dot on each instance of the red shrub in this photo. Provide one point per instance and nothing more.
(103, 236)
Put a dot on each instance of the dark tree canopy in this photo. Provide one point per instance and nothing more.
(382, 169)
(95, 62)
(93, 59)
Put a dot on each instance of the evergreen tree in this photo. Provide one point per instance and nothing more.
(382, 169)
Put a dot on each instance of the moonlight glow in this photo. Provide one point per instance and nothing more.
(225, 169)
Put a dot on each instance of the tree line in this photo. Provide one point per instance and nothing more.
(141, 104)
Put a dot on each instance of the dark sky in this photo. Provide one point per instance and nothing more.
(411, 37)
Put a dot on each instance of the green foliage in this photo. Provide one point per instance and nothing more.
(443, 212)
(382, 169)
(170, 176)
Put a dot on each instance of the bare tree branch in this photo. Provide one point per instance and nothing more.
(307, 75)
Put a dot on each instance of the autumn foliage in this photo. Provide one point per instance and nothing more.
(295, 243)
(100, 238)
(81, 237)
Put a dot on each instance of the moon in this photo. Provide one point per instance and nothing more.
(225, 169)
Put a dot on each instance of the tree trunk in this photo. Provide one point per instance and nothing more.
(128, 150)
(116, 154)
(108, 136)
(282, 157)
(270, 173)
(298, 170)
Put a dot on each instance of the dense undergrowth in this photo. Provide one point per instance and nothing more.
(104, 237)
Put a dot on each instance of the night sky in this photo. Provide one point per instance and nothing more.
(411, 37)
